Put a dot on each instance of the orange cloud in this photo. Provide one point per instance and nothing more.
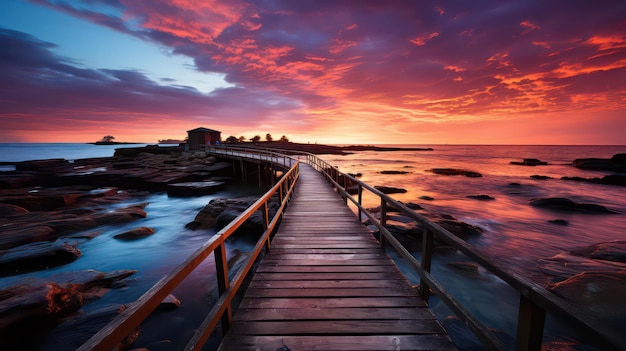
(422, 40)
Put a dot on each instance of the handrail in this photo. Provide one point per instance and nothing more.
(124, 324)
(535, 300)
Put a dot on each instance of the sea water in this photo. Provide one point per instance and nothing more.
(516, 235)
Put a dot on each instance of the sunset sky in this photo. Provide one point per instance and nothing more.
(326, 71)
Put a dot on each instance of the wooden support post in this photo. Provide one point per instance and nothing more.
(258, 167)
(243, 170)
(221, 266)
(529, 325)
(427, 257)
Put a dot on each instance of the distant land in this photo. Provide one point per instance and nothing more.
(111, 143)
(171, 141)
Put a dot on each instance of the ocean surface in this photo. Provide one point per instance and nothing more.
(517, 236)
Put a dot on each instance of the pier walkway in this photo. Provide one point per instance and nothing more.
(326, 284)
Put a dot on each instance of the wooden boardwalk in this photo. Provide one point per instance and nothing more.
(327, 285)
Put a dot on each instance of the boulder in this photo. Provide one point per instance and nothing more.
(461, 229)
(219, 212)
(134, 234)
(540, 177)
(567, 205)
(37, 256)
(454, 172)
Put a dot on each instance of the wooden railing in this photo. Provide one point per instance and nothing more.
(535, 301)
(125, 323)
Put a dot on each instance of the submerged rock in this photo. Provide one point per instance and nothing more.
(613, 179)
(481, 197)
(134, 234)
(529, 162)
(567, 205)
(389, 189)
(610, 251)
(601, 293)
(455, 171)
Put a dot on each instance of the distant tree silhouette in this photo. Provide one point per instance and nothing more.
(284, 139)
(232, 139)
(255, 139)
(107, 138)
(268, 137)
(242, 139)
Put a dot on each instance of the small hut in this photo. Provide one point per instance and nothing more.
(200, 137)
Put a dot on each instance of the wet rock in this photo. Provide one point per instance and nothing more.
(194, 188)
(610, 251)
(481, 197)
(617, 163)
(389, 189)
(219, 212)
(564, 265)
(75, 331)
(614, 179)
(540, 177)
(36, 256)
(136, 233)
(567, 205)
(559, 221)
(461, 229)
(23, 308)
(394, 172)
(464, 266)
(10, 210)
(529, 162)
(455, 171)
(16, 236)
(169, 303)
(601, 293)
(120, 216)
(427, 198)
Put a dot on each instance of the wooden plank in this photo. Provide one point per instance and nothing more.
(338, 313)
(326, 284)
(331, 302)
(337, 327)
(347, 343)
(321, 269)
(355, 292)
(332, 276)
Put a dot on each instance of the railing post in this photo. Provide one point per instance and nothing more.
(427, 257)
(266, 223)
(221, 266)
(360, 195)
(383, 219)
(529, 325)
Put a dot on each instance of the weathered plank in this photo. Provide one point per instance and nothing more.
(327, 285)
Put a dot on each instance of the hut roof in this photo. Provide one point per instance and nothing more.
(203, 130)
